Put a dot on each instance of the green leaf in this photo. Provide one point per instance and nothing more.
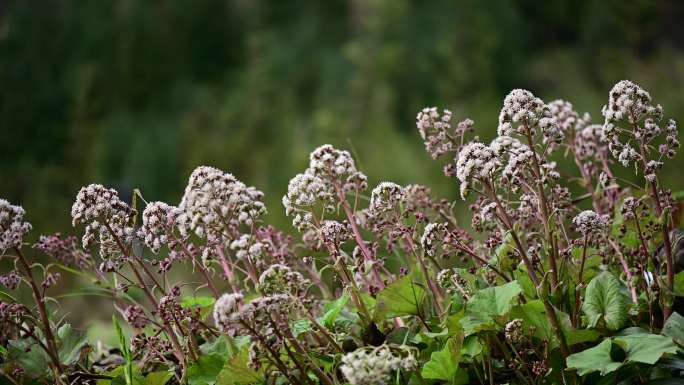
(70, 344)
(502, 253)
(674, 327)
(328, 319)
(157, 378)
(487, 304)
(401, 297)
(678, 285)
(34, 361)
(494, 301)
(236, 371)
(197, 301)
(594, 359)
(471, 347)
(645, 348)
(301, 326)
(125, 350)
(533, 315)
(605, 300)
(6, 297)
(205, 370)
(443, 364)
(205, 304)
(574, 337)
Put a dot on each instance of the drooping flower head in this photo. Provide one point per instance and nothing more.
(13, 226)
(386, 196)
(158, 223)
(476, 160)
(224, 309)
(280, 279)
(108, 222)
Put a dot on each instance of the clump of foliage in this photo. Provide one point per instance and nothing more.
(550, 287)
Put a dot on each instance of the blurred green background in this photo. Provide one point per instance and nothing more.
(135, 94)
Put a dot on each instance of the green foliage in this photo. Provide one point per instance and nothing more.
(638, 348)
(125, 350)
(674, 327)
(236, 371)
(400, 298)
(443, 364)
(605, 301)
(334, 309)
(488, 304)
(205, 370)
(70, 343)
(594, 359)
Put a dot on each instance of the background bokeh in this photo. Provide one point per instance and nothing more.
(135, 94)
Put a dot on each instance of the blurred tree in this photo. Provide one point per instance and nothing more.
(138, 93)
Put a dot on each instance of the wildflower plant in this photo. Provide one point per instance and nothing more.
(557, 279)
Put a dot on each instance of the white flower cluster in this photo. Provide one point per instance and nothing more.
(475, 160)
(518, 155)
(630, 103)
(589, 222)
(432, 238)
(651, 169)
(303, 192)
(435, 130)
(566, 118)
(430, 122)
(374, 367)
(331, 164)
(334, 233)
(246, 246)
(214, 199)
(386, 196)
(330, 171)
(588, 143)
(13, 227)
(224, 309)
(520, 108)
(157, 224)
(106, 217)
(627, 100)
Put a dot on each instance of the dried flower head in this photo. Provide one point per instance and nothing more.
(514, 331)
(65, 250)
(280, 279)
(10, 280)
(13, 226)
(135, 316)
